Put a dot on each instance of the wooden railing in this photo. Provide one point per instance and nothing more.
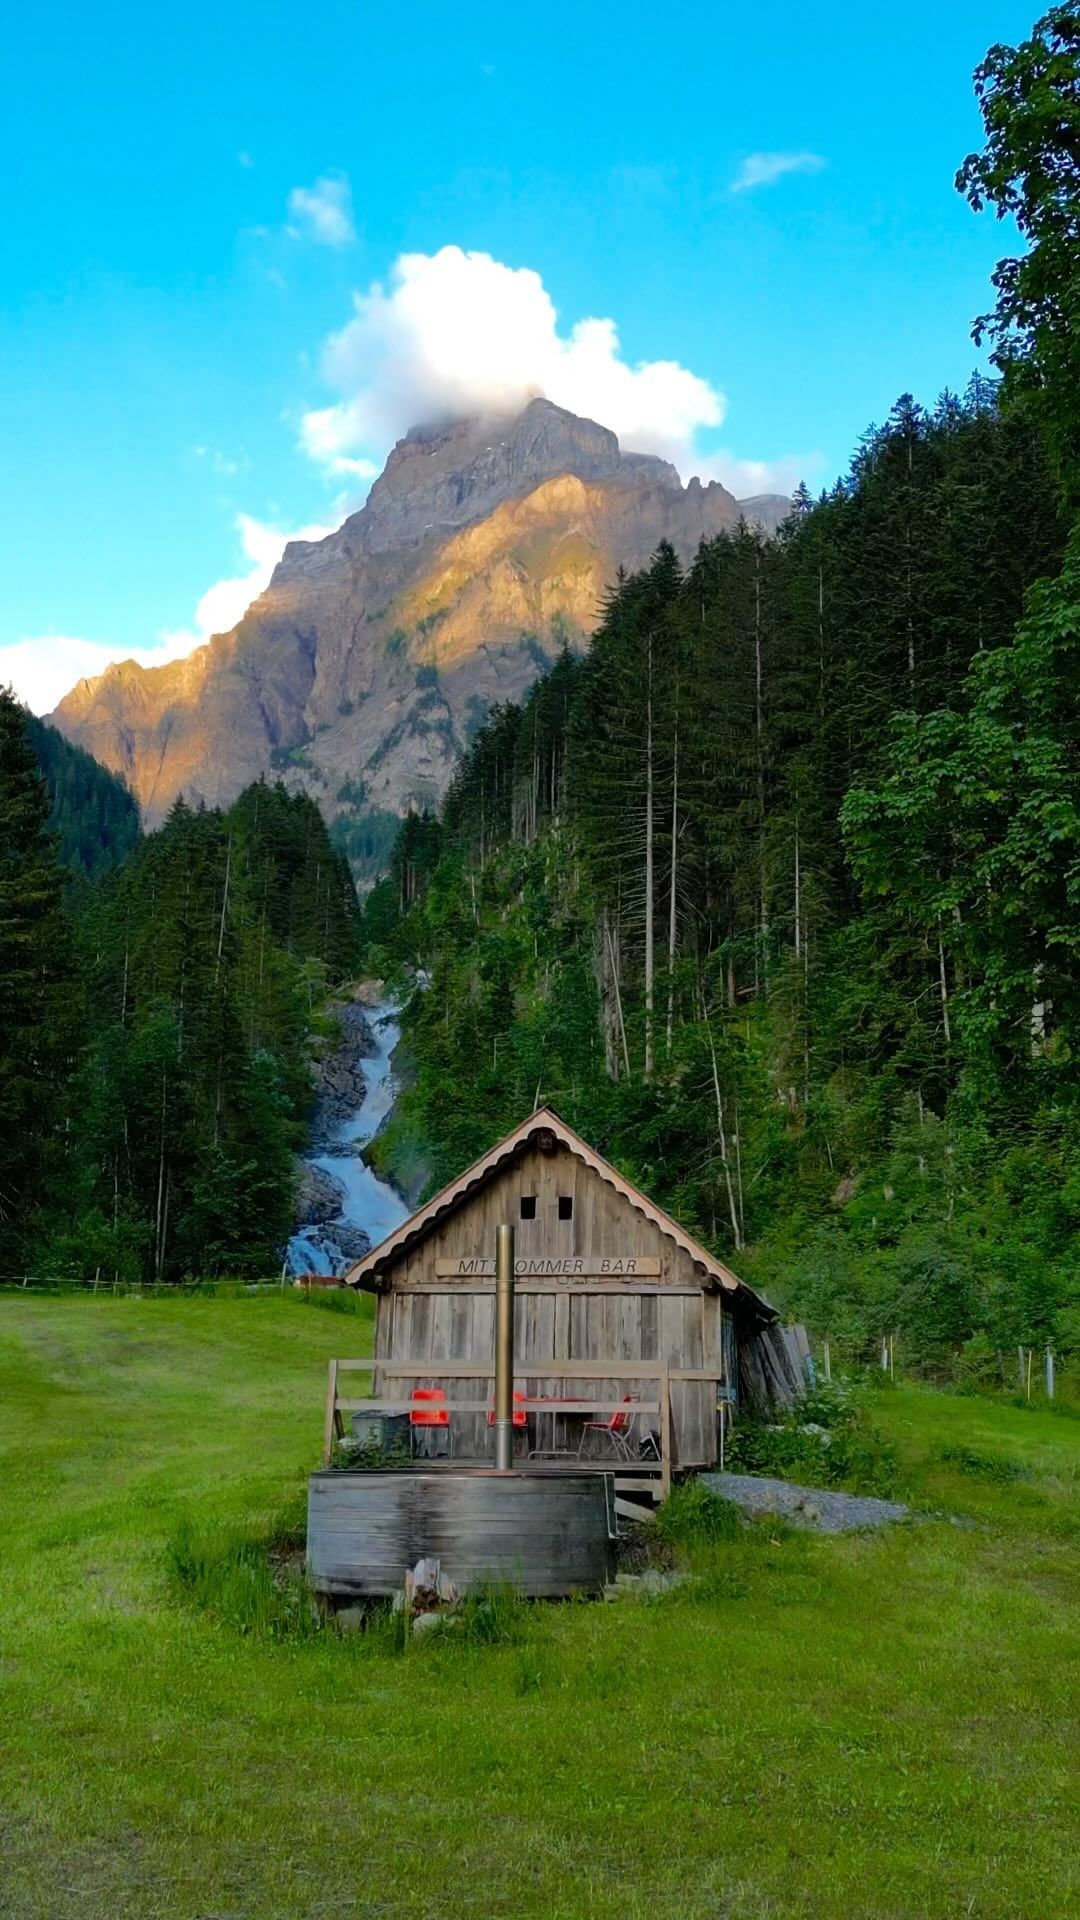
(630, 1371)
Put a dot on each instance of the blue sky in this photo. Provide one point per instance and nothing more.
(195, 198)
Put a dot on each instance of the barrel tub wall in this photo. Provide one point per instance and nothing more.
(678, 1318)
(548, 1534)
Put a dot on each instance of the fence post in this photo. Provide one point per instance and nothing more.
(828, 1362)
(1049, 1373)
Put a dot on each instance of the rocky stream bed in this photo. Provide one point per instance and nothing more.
(342, 1207)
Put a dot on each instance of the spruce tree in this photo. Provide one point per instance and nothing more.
(38, 995)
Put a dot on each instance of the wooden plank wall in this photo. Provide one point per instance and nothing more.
(642, 1321)
(773, 1366)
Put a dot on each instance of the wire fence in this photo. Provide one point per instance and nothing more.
(67, 1284)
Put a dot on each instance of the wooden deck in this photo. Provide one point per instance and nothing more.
(543, 1410)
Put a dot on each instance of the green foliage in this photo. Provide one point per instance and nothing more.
(38, 997)
(828, 1440)
(329, 1299)
(531, 645)
(691, 1516)
(735, 893)
(879, 1687)
(203, 960)
(491, 1615)
(1029, 171)
(982, 1466)
(93, 816)
(235, 1578)
(370, 1456)
(282, 758)
(366, 837)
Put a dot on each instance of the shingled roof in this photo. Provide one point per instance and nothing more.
(370, 1272)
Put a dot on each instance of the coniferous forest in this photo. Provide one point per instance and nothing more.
(774, 894)
(154, 1026)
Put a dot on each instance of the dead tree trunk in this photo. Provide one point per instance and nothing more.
(649, 867)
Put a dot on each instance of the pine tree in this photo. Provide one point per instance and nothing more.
(38, 994)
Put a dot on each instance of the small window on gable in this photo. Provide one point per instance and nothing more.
(528, 1206)
(566, 1206)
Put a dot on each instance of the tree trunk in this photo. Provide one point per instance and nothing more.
(722, 1137)
(649, 867)
(672, 926)
(759, 732)
(159, 1241)
(224, 910)
(798, 893)
(613, 959)
(944, 984)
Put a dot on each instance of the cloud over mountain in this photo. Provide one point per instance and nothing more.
(455, 333)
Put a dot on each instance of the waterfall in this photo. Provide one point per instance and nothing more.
(368, 1204)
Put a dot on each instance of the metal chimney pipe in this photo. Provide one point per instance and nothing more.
(504, 1348)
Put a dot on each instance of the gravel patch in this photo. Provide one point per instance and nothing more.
(819, 1509)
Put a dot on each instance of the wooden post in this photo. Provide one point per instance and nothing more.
(1031, 1353)
(330, 1424)
(828, 1362)
(504, 1348)
(665, 1433)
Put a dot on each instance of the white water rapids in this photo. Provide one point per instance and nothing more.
(367, 1202)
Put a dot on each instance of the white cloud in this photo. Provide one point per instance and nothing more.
(324, 213)
(764, 169)
(43, 667)
(460, 333)
(744, 478)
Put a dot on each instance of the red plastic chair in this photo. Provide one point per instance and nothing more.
(518, 1416)
(428, 1408)
(617, 1431)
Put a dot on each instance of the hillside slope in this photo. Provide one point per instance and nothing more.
(364, 668)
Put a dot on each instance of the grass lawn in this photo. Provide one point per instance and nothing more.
(871, 1726)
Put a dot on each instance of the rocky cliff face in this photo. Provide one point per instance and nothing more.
(362, 669)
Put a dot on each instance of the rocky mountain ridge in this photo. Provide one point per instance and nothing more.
(361, 671)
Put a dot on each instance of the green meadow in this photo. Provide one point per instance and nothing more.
(880, 1725)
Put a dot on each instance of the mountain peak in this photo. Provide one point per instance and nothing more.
(446, 475)
(483, 546)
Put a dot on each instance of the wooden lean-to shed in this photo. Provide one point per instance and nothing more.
(612, 1297)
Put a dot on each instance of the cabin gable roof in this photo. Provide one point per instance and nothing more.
(372, 1273)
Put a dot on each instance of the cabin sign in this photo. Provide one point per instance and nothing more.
(571, 1267)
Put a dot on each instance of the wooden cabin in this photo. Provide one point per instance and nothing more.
(612, 1297)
